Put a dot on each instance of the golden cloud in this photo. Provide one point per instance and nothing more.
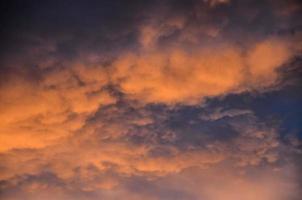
(178, 76)
(58, 104)
(37, 113)
(83, 128)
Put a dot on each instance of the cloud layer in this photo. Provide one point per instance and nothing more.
(150, 100)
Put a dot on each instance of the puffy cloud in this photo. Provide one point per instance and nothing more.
(98, 106)
(104, 159)
(62, 98)
(109, 144)
(264, 59)
(178, 76)
(37, 112)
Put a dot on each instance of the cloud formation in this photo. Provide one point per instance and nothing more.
(176, 76)
(150, 100)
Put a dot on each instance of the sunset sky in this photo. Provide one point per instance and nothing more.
(151, 100)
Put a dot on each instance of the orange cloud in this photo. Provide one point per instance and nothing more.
(99, 157)
(102, 145)
(86, 127)
(264, 59)
(58, 104)
(37, 113)
(178, 76)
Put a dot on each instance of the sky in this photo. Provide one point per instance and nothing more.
(151, 100)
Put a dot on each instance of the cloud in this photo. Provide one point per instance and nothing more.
(52, 107)
(220, 114)
(177, 76)
(119, 99)
(109, 145)
(221, 182)
(61, 98)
